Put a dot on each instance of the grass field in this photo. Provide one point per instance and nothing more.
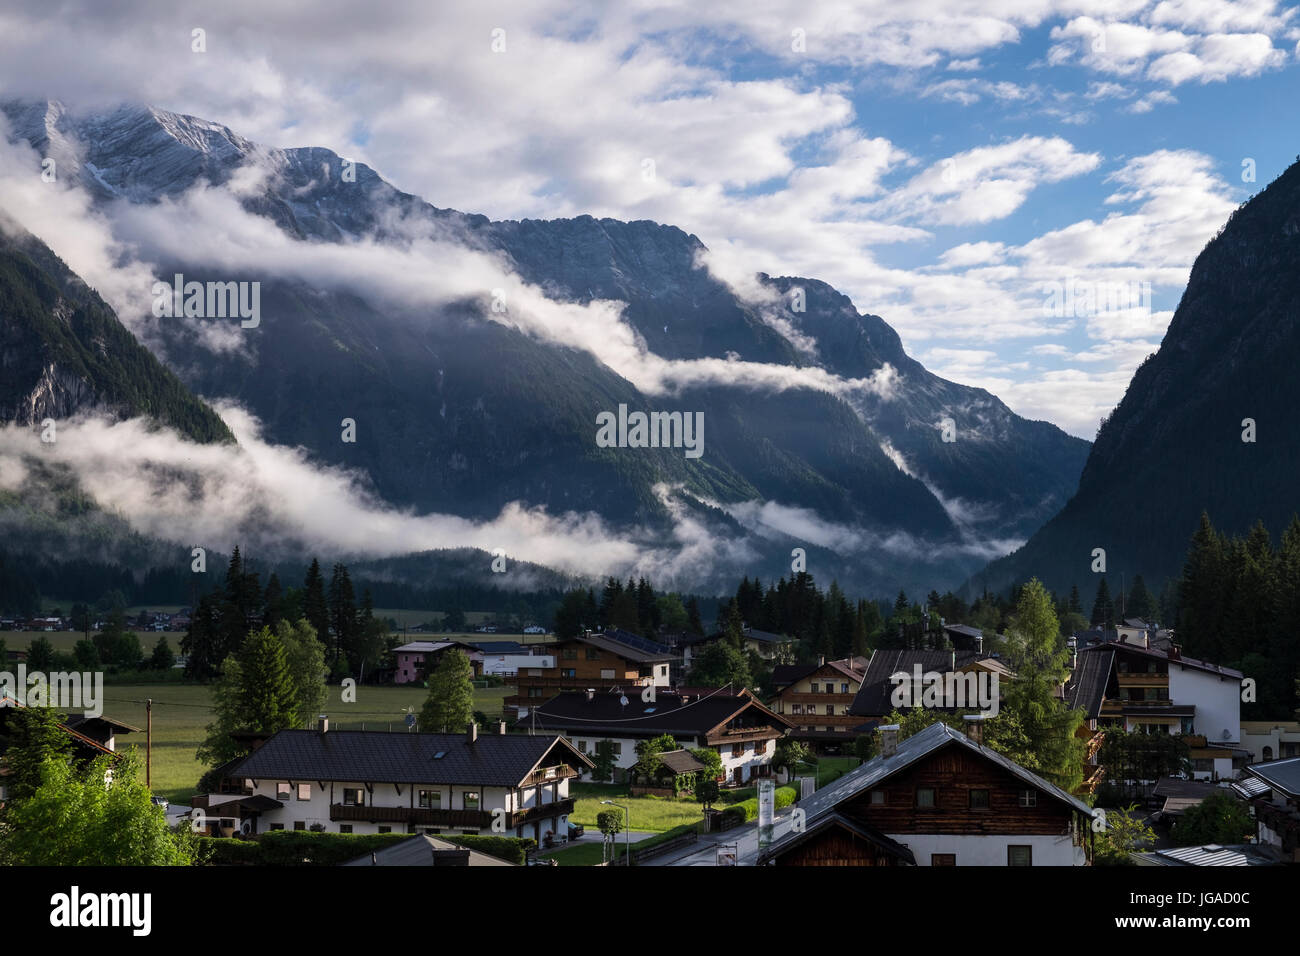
(650, 814)
(181, 712)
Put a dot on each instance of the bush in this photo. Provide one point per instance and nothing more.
(747, 810)
(510, 849)
(304, 848)
(223, 851)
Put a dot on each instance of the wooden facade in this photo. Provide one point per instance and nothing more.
(837, 847)
(578, 666)
(954, 774)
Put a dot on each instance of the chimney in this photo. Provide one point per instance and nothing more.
(323, 723)
(1174, 653)
(501, 728)
(888, 740)
(975, 727)
(821, 660)
(471, 733)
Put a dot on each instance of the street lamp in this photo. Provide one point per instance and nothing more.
(627, 829)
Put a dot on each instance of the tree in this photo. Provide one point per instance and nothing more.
(695, 620)
(789, 754)
(449, 707)
(305, 656)
(571, 616)
(34, 739)
(162, 658)
(40, 654)
(864, 747)
(1219, 818)
(648, 764)
(712, 761)
(1126, 833)
(86, 654)
(254, 692)
(707, 791)
(1103, 608)
(1141, 602)
(453, 621)
(604, 760)
(102, 815)
(1040, 661)
(672, 614)
(315, 608)
(343, 617)
(718, 664)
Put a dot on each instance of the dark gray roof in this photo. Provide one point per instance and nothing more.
(873, 697)
(360, 756)
(631, 646)
(911, 750)
(1281, 775)
(503, 647)
(418, 851)
(1086, 688)
(680, 761)
(572, 714)
(1159, 654)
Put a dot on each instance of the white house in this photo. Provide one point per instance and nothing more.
(740, 729)
(378, 782)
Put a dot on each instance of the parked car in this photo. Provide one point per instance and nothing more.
(575, 831)
(160, 802)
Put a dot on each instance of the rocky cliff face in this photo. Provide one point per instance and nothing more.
(1174, 446)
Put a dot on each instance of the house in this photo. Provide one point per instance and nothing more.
(816, 698)
(938, 798)
(1244, 854)
(779, 648)
(507, 658)
(347, 781)
(604, 660)
(875, 697)
(90, 737)
(425, 850)
(1270, 739)
(678, 770)
(1277, 809)
(1137, 686)
(418, 659)
(738, 727)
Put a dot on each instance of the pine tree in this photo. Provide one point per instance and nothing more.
(315, 607)
(1074, 607)
(1103, 608)
(696, 622)
(342, 616)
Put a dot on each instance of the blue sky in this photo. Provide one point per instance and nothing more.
(944, 163)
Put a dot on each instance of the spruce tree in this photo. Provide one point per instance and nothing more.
(449, 707)
(315, 608)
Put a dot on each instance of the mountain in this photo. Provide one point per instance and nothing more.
(462, 415)
(1174, 446)
(64, 351)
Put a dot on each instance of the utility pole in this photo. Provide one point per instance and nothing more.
(148, 743)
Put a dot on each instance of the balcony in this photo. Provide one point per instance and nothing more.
(545, 775)
(544, 812)
(464, 819)
(837, 698)
(1139, 679)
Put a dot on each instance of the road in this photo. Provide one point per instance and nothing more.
(704, 852)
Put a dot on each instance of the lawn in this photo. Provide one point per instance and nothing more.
(182, 711)
(651, 814)
(830, 769)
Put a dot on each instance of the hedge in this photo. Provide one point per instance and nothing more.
(747, 810)
(510, 849)
(295, 848)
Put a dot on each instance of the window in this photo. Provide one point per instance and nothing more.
(830, 688)
(1203, 764)
(796, 708)
(814, 687)
(844, 688)
(570, 654)
(385, 829)
(593, 654)
(760, 747)
(925, 797)
(943, 859)
(299, 824)
(877, 798)
(1020, 856)
(282, 791)
(582, 745)
(979, 799)
(607, 673)
(616, 748)
(353, 797)
(345, 828)
(536, 692)
(1029, 798)
(471, 800)
(304, 791)
(568, 672)
(277, 826)
(431, 799)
